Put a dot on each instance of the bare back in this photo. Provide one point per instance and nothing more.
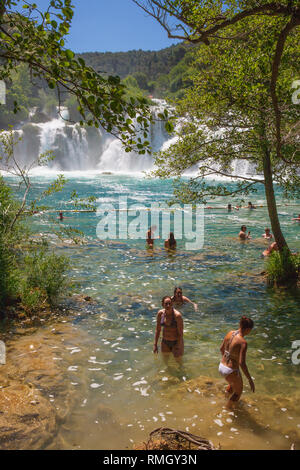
(231, 349)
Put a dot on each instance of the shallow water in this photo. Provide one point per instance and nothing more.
(123, 391)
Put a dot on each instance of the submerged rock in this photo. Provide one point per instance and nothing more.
(27, 419)
(35, 396)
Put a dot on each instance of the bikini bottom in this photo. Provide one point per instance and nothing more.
(225, 371)
(170, 344)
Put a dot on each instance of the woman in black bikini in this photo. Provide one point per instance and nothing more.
(171, 322)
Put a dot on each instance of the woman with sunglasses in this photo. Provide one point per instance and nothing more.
(179, 299)
(170, 320)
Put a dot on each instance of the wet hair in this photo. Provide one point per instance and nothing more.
(166, 297)
(249, 203)
(176, 288)
(229, 206)
(246, 323)
(243, 227)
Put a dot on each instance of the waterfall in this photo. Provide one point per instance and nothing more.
(78, 148)
(82, 148)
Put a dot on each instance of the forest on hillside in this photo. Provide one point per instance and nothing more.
(159, 74)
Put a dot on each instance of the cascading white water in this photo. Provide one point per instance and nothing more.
(84, 149)
(79, 148)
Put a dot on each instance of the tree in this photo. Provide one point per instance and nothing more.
(37, 39)
(229, 116)
(202, 21)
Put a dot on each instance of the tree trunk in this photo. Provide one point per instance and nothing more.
(271, 203)
(286, 270)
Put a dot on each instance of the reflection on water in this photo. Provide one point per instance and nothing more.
(122, 390)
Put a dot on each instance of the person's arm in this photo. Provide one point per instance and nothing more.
(222, 347)
(157, 331)
(186, 299)
(243, 365)
(179, 321)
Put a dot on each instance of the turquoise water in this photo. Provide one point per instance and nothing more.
(115, 366)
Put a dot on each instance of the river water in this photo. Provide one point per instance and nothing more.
(122, 390)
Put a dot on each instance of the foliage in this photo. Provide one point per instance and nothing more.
(29, 272)
(280, 265)
(37, 39)
(44, 278)
(201, 21)
(229, 111)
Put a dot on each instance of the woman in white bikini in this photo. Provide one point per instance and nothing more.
(233, 350)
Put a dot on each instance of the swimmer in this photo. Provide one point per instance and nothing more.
(229, 207)
(233, 350)
(179, 299)
(170, 243)
(267, 235)
(172, 338)
(61, 216)
(250, 206)
(243, 235)
(297, 218)
(272, 247)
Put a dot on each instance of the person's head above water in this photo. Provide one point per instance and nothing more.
(267, 230)
(167, 302)
(178, 292)
(243, 228)
(246, 325)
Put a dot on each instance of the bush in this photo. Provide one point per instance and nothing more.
(28, 271)
(44, 278)
(283, 266)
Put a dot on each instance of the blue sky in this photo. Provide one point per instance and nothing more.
(112, 25)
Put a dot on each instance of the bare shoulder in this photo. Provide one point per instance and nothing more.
(159, 313)
(177, 313)
(229, 334)
(242, 341)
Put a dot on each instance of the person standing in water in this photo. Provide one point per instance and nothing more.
(149, 238)
(179, 299)
(242, 234)
(170, 320)
(170, 243)
(233, 350)
(267, 235)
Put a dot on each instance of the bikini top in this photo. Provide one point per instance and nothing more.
(227, 353)
(173, 323)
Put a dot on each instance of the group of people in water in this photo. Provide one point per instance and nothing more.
(267, 235)
(170, 243)
(233, 348)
